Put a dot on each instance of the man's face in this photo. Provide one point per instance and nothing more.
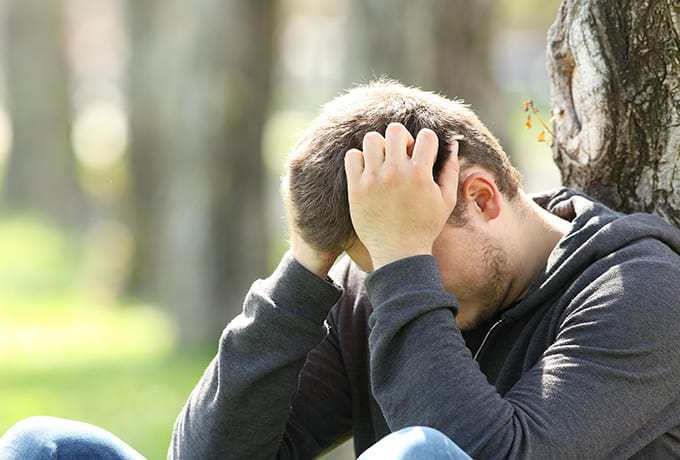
(474, 265)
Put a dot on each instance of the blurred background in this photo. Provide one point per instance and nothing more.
(141, 144)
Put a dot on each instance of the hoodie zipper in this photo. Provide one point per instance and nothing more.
(488, 334)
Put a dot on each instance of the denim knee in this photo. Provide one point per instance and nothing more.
(415, 443)
(46, 438)
(28, 440)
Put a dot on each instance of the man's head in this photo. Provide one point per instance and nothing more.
(316, 186)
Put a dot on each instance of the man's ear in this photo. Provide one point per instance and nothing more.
(480, 191)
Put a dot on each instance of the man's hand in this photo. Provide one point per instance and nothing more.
(397, 208)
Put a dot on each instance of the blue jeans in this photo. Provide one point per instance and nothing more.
(43, 438)
(415, 443)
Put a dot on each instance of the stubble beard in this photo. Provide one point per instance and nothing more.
(493, 291)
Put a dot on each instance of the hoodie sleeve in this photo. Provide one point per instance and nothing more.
(612, 367)
(276, 379)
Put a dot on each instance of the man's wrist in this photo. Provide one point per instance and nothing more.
(295, 288)
(414, 281)
(319, 267)
(383, 258)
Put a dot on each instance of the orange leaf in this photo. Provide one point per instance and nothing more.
(541, 136)
(528, 124)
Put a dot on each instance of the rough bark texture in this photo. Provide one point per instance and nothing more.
(200, 85)
(615, 77)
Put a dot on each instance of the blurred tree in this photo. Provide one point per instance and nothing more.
(147, 142)
(440, 45)
(42, 170)
(199, 95)
(615, 77)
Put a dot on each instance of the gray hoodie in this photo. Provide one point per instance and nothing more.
(586, 365)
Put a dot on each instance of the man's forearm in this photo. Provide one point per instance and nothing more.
(574, 402)
(240, 406)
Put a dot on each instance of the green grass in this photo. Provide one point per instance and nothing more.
(136, 398)
(62, 354)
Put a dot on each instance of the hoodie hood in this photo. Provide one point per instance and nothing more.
(596, 232)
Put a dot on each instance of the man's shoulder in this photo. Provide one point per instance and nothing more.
(639, 279)
(645, 259)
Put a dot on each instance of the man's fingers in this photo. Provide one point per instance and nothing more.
(448, 178)
(373, 151)
(397, 142)
(354, 166)
(425, 149)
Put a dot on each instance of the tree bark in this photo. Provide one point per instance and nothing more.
(42, 171)
(615, 83)
(200, 86)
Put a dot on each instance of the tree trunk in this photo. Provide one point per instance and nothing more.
(615, 81)
(199, 104)
(440, 45)
(146, 142)
(42, 171)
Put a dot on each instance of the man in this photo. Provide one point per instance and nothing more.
(467, 319)
(465, 310)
